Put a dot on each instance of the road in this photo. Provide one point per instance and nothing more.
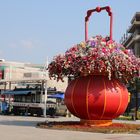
(24, 128)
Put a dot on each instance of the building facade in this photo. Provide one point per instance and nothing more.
(16, 71)
(131, 40)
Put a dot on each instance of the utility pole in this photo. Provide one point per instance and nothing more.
(45, 72)
(136, 105)
(137, 86)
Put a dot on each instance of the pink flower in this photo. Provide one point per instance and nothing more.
(97, 54)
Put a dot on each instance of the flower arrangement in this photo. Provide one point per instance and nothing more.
(98, 55)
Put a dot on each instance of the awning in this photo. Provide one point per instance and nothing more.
(57, 95)
(13, 92)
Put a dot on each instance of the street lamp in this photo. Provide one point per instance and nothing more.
(137, 87)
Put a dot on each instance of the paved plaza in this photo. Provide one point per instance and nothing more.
(24, 128)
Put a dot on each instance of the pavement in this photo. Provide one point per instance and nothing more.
(24, 128)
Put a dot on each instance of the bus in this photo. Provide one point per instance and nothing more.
(29, 99)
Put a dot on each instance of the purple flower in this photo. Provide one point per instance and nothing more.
(96, 55)
(92, 43)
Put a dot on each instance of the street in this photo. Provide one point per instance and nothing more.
(24, 128)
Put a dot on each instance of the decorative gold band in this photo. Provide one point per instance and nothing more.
(96, 122)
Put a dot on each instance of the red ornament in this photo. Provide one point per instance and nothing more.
(98, 9)
(95, 97)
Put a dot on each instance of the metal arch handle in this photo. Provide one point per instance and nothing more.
(98, 9)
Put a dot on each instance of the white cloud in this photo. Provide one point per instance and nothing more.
(1, 52)
(27, 44)
(13, 45)
(2, 56)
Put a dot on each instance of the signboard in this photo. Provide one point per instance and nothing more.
(20, 104)
(34, 105)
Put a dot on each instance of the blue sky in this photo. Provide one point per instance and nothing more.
(32, 30)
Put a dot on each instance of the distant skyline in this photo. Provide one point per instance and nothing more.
(32, 30)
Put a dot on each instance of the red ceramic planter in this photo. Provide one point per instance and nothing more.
(95, 97)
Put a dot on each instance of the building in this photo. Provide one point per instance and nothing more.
(26, 86)
(131, 40)
(15, 71)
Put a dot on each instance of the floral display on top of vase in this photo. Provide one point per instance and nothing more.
(98, 55)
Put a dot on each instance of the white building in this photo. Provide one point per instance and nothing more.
(10, 71)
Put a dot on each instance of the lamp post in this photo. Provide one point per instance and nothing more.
(137, 86)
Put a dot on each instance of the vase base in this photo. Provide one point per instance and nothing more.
(96, 122)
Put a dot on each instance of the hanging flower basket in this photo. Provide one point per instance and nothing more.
(99, 65)
(97, 55)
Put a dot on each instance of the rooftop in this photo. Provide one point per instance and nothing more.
(136, 17)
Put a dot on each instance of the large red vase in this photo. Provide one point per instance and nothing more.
(95, 97)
